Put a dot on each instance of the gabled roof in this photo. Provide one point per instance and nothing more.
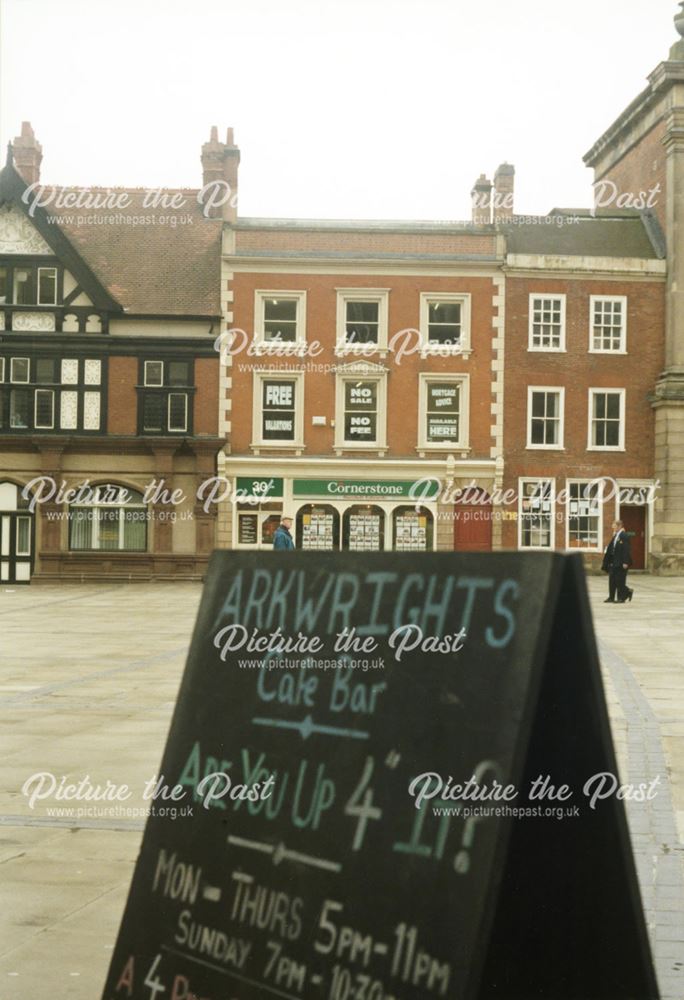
(12, 187)
(133, 259)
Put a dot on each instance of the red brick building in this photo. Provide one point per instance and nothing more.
(536, 344)
(109, 309)
(585, 302)
(381, 378)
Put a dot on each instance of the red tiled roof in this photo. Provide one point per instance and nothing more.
(150, 259)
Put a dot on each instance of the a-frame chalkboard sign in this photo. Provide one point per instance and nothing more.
(330, 854)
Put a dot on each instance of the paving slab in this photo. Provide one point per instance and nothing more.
(88, 680)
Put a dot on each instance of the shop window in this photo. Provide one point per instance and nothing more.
(363, 529)
(268, 528)
(114, 520)
(584, 515)
(412, 529)
(318, 528)
(255, 528)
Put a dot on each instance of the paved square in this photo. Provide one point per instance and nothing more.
(88, 680)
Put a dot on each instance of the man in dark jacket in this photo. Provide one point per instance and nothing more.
(282, 539)
(616, 562)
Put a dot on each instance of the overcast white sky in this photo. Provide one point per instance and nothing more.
(341, 108)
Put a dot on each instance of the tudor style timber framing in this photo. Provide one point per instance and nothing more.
(85, 312)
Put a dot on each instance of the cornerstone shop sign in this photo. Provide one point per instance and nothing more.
(364, 489)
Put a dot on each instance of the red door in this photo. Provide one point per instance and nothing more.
(634, 519)
(473, 525)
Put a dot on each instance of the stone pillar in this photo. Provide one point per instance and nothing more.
(667, 550)
(224, 522)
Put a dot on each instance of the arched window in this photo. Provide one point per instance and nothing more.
(363, 528)
(413, 529)
(318, 527)
(110, 518)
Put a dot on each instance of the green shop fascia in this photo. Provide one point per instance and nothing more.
(332, 514)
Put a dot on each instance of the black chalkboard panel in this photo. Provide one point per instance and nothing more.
(317, 862)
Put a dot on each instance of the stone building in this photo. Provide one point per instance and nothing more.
(639, 161)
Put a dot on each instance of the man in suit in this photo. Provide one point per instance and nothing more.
(282, 539)
(616, 562)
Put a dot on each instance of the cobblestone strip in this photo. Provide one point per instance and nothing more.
(653, 829)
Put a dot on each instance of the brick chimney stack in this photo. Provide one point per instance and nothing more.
(481, 201)
(220, 161)
(28, 154)
(504, 182)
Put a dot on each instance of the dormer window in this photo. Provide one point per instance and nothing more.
(28, 285)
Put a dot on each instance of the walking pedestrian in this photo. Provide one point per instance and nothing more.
(282, 539)
(616, 562)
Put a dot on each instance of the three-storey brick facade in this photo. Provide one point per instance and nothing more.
(438, 385)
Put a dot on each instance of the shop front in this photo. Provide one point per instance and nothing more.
(332, 514)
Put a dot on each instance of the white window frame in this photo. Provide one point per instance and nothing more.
(463, 380)
(562, 298)
(600, 501)
(622, 349)
(280, 375)
(184, 428)
(371, 375)
(537, 548)
(622, 393)
(36, 425)
(39, 301)
(284, 347)
(2, 369)
(20, 381)
(146, 382)
(378, 295)
(19, 550)
(463, 349)
(559, 390)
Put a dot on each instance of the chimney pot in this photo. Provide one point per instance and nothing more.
(504, 184)
(481, 201)
(220, 165)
